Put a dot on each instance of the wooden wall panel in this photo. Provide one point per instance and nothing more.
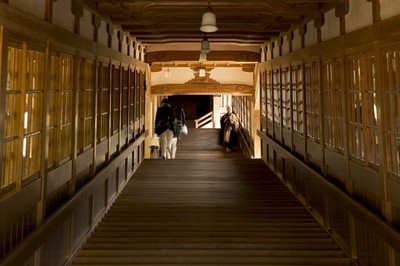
(335, 166)
(362, 234)
(59, 177)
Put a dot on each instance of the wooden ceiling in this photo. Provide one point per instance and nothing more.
(177, 21)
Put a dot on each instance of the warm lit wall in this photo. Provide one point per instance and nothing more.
(354, 64)
(223, 75)
(69, 147)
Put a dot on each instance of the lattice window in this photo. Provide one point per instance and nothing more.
(312, 101)
(142, 94)
(277, 96)
(33, 113)
(132, 95)
(61, 102)
(269, 95)
(23, 131)
(333, 95)
(13, 118)
(116, 98)
(137, 97)
(297, 98)
(85, 105)
(286, 97)
(103, 102)
(362, 115)
(263, 102)
(263, 95)
(391, 78)
(125, 97)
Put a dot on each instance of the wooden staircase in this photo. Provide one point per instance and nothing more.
(215, 209)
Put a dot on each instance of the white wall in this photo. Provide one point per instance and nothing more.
(102, 34)
(296, 43)
(360, 15)
(331, 27)
(389, 8)
(285, 45)
(34, 7)
(86, 25)
(276, 49)
(62, 15)
(180, 75)
(115, 40)
(311, 37)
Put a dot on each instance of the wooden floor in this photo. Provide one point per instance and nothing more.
(208, 207)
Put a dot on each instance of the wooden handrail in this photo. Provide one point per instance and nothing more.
(371, 220)
(250, 151)
(203, 120)
(38, 237)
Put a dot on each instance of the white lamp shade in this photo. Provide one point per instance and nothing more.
(205, 46)
(167, 73)
(202, 72)
(209, 21)
(203, 57)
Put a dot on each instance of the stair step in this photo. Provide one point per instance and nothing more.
(210, 234)
(184, 239)
(214, 253)
(206, 260)
(193, 228)
(216, 210)
(212, 246)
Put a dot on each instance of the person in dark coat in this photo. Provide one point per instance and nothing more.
(164, 126)
(229, 126)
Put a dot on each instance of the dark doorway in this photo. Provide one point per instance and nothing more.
(195, 106)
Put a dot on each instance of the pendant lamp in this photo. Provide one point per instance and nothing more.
(167, 73)
(208, 21)
(202, 72)
(205, 46)
(203, 57)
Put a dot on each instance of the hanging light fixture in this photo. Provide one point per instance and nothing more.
(205, 45)
(203, 57)
(208, 21)
(202, 72)
(167, 73)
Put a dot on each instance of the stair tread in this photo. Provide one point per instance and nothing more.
(208, 207)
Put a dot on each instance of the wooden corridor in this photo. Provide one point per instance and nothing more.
(208, 207)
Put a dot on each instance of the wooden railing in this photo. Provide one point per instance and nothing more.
(355, 227)
(64, 232)
(244, 144)
(205, 119)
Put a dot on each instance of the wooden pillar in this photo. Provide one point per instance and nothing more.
(110, 32)
(48, 16)
(376, 10)
(340, 12)
(289, 38)
(318, 23)
(3, 85)
(302, 33)
(96, 22)
(77, 11)
(216, 111)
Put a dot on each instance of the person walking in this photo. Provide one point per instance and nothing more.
(179, 123)
(164, 126)
(229, 126)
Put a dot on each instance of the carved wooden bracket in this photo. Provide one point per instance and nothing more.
(168, 56)
(76, 9)
(202, 89)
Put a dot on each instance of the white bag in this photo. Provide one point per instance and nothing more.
(154, 142)
(184, 130)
